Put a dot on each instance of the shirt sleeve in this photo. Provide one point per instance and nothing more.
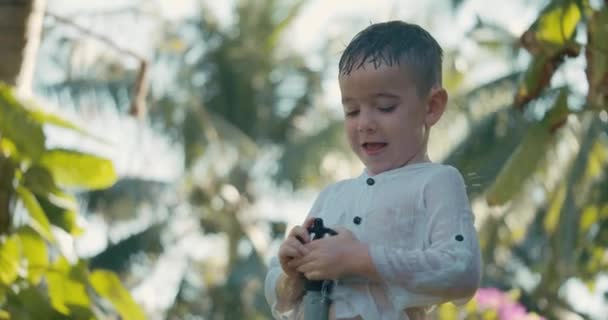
(281, 309)
(449, 268)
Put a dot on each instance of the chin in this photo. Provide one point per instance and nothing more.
(377, 169)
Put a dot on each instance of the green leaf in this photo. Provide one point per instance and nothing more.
(528, 155)
(38, 220)
(4, 315)
(67, 286)
(107, 285)
(550, 39)
(19, 126)
(71, 168)
(49, 118)
(520, 166)
(40, 181)
(557, 23)
(491, 140)
(598, 159)
(551, 220)
(29, 304)
(62, 215)
(589, 217)
(34, 250)
(597, 59)
(558, 114)
(9, 260)
(60, 208)
(539, 73)
(8, 148)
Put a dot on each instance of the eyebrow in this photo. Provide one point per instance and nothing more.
(386, 95)
(375, 96)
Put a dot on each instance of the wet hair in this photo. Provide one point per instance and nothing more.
(396, 42)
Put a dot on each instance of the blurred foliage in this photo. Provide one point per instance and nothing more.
(489, 303)
(540, 164)
(35, 271)
(233, 96)
(244, 88)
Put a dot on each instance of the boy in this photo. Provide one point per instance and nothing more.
(406, 239)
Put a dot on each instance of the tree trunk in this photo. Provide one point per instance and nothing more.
(20, 30)
(6, 193)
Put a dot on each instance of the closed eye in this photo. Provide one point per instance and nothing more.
(388, 109)
(351, 113)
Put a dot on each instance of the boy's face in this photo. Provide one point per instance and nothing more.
(385, 118)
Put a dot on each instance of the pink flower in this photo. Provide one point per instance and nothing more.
(490, 298)
(503, 304)
(512, 311)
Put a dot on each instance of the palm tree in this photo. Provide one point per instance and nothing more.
(34, 197)
(535, 165)
(229, 101)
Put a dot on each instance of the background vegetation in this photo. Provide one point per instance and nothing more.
(140, 176)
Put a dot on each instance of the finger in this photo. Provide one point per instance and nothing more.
(315, 245)
(300, 233)
(288, 251)
(311, 246)
(314, 275)
(308, 222)
(295, 263)
(302, 250)
(306, 267)
(293, 248)
(307, 258)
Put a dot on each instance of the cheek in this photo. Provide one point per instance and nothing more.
(350, 127)
(407, 134)
(352, 137)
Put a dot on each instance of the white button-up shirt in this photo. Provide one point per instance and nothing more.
(418, 224)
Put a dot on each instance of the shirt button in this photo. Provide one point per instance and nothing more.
(459, 237)
(357, 220)
(370, 181)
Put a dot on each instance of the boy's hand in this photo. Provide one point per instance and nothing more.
(293, 248)
(328, 258)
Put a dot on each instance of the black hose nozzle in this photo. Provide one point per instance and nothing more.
(318, 229)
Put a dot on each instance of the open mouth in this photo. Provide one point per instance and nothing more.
(373, 147)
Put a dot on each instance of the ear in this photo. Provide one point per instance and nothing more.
(437, 101)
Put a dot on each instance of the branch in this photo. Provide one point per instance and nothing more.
(140, 92)
(138, 100)
(115, 12)
(95, 35)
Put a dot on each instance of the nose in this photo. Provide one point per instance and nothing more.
(366, 122)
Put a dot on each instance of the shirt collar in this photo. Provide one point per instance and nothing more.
(389, 174)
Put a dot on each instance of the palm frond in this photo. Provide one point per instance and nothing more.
(118, 256)
(485, 150)
(89, 94)
(122, 200)
(300, 163)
